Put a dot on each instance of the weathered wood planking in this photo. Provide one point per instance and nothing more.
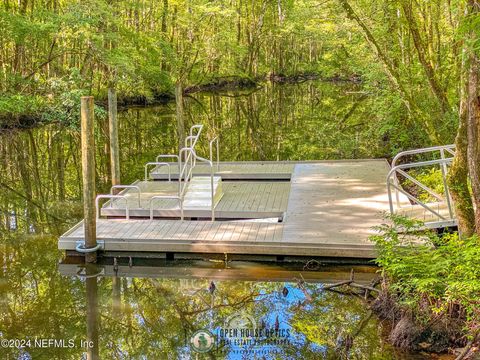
(336, 202)
(245, 170)
(241, 200)
(207, 237)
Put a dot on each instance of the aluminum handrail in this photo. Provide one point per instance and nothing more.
(413, 198)
(416, 182)
(134, 187)
(192, 155)
(99, 197)
(210, 145)
(419, 164)
(168, 156)
(441, 148)
(198, 127)
(186, 160)
(148, 164)
(190, 158)
(212, 189)
(392, 181)
(193, 140)
(166, 197)
(448, 148)
(186, 169)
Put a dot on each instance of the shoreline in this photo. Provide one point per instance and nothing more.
(218, 85)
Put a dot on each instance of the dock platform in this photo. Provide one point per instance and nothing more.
(308, 209)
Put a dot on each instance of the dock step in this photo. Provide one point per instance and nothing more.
(199, 193)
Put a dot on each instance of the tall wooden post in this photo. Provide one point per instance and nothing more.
(179, 106)
(113, 131)
(88, 175)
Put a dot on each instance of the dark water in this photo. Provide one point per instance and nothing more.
(151, 311)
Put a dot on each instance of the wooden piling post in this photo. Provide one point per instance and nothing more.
(113, 132)
(179, 107)
(88, 175)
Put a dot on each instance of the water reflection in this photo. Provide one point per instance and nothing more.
(143, 312)
(310, 121)
(40, 180)
(92, 321)
(157, 317)
(151, 312)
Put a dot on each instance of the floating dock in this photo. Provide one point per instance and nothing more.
(279, 210)
(189, 207)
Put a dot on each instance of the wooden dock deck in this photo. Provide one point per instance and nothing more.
(241, 200)
(329, 210)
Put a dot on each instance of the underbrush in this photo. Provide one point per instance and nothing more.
(431, 286)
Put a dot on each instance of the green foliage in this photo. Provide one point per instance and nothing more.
(432, 178)
(421, 264)
(145, 47)
(20, 104)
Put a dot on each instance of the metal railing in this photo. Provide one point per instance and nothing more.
(157, 164)
(192, 155)
(442, 149)
(111, 197)
(198, 128)
(210, 146)
(133, 187)
(190, 141)
(186, 160)
(153, 198)
(168, 156)
(446, 157)
(186, 169)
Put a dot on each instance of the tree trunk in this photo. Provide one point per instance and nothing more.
(88, 175)
(435, 85)
(458, 178)
(163, 64)
(391, 72)
(91, 287)
(113, 136)
(467, 156)
(473, 128)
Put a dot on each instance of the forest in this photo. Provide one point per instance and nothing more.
(408, 75)
(408, 52)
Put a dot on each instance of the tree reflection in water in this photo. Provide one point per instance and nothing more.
(153, 317)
